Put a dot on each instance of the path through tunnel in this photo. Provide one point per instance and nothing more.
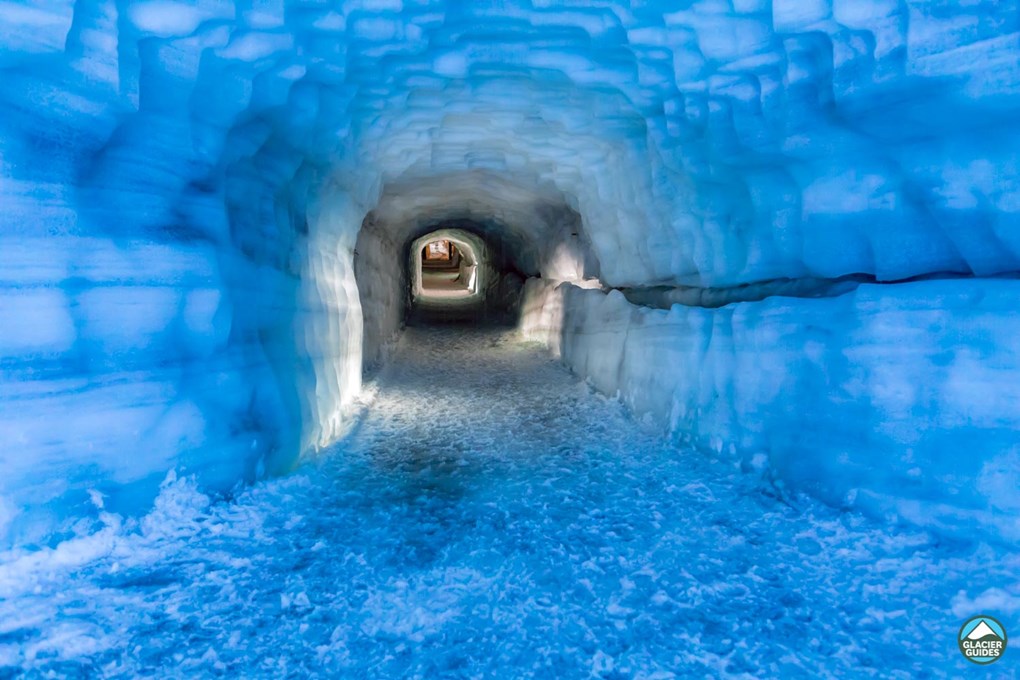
(492, 511)
(559, 339)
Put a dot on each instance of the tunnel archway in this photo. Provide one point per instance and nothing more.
(260, 158)
(525, 228)
(486, 286)
(459, 278)
(446, 270)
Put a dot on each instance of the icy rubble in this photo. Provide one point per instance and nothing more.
(184, 186)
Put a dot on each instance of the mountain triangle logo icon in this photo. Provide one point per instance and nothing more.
(982, 639)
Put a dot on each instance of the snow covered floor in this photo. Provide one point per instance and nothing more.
(443, 284)
(494, 517)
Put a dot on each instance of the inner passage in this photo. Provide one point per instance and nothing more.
(445, 272)
(500, 515)
(457, 273)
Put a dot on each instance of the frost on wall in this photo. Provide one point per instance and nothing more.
(183, 186)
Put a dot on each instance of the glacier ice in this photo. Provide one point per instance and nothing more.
(590, 546)
(779, 239)
(904, 388)
(206, 206)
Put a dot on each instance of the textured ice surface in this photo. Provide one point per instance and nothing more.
(184, 187)
(492, 516)
(894, 398)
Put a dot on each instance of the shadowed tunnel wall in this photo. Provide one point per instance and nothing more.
(203, 203)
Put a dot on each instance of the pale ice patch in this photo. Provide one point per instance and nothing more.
(166, 18)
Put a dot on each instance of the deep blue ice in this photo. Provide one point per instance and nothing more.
(491, 516)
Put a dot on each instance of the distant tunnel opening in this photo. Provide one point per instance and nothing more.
(417, 271)
(508, 227)
(445, 271)
(457, 275)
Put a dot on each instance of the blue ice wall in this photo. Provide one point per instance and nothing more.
(896, 400)
(183, 185)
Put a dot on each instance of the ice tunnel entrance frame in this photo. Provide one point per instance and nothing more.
(475, 265)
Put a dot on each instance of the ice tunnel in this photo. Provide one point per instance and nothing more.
(785, 234)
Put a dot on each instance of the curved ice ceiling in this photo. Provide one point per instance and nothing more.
(184, 186)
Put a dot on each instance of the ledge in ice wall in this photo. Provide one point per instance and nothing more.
(897, 399)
